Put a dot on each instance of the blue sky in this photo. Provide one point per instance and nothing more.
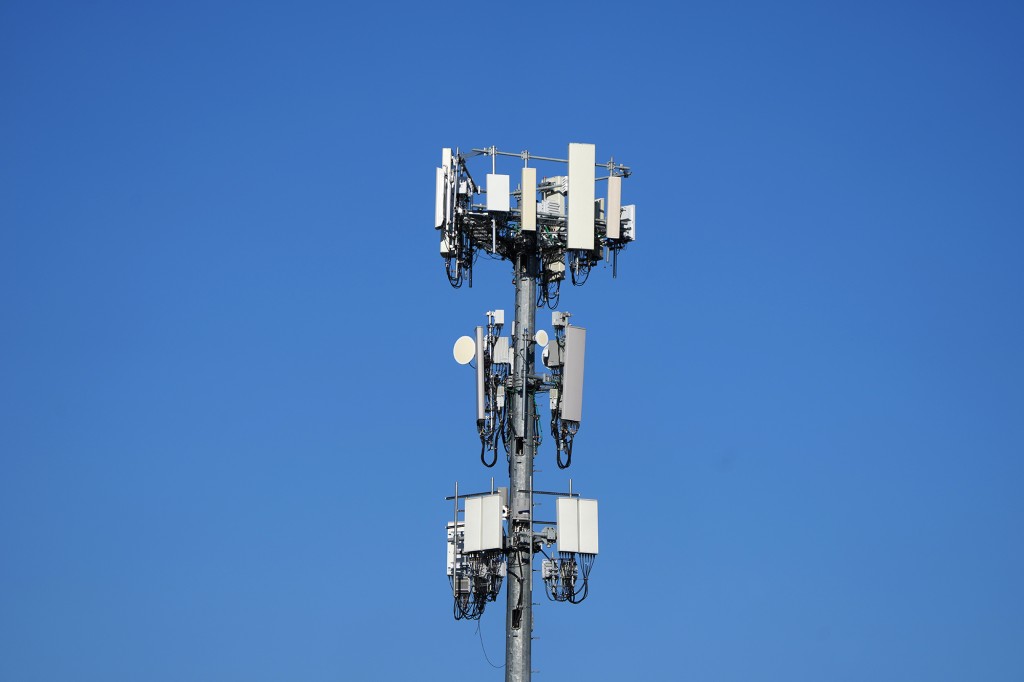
(228, 408)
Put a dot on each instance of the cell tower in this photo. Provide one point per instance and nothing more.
(567, 230)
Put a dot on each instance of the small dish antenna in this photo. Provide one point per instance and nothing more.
(541, 338)
(465, 349)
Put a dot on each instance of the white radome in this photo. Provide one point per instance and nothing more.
(465, 349)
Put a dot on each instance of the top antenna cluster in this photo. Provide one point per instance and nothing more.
(560, 217)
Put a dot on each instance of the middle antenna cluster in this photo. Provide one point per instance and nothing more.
(494, 355)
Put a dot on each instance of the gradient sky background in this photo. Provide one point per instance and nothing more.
(228, 408)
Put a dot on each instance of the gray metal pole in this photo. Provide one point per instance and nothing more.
(519, 612)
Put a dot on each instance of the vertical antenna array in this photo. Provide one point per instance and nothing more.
(545, 229)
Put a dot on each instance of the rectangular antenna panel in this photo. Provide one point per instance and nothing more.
(490, 518)
(577, 525)
(581, 196)
(572, 373)
(479, 373)
(445, 251)
(588, 526)
(614, 207)
(439, 200)
(567, 518)
(483, 523)
(445, 190)
(528, 200)
(497, 192)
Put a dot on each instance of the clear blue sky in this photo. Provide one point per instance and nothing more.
(228, 408)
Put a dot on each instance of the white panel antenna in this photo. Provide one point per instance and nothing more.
(446, 190)
(581, 196)
(497, 192)
(572, 374)
(588, 526)
(528, 200)
(567, 520)
(439, 200)
(483, 523)
(490, 521)
(614, 207)
(480, 414)
(577, 525)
